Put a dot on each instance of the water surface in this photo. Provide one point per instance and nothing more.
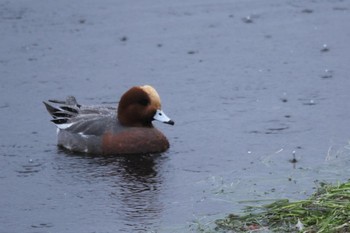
(248, 83)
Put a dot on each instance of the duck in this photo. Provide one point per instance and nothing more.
(111, 130)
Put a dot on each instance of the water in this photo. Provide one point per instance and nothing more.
(245, 97)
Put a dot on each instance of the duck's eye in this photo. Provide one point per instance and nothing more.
(143, 102)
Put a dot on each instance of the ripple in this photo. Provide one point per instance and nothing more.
(29, 169)
(42, 225)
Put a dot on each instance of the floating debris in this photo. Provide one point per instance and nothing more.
(247, 19)
(124, 38)
(191, 52)
(325, 48)
(311, 102)
(327, 74)
(299, 225)
(284, 99)
(307, 11)
(293, 160)
(340, 8)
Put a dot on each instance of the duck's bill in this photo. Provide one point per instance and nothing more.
(160, 116)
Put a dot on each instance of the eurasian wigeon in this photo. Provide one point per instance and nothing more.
(127, 129)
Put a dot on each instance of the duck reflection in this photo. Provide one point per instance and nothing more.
(140, 190)
(132, 187)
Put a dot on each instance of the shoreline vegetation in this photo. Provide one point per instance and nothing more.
(327, 210)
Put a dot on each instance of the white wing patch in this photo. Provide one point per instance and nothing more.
(64, 126)
(83, 135)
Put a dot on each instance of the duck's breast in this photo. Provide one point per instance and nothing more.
(134, 140)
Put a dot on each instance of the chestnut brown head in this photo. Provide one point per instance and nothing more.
(139, 106)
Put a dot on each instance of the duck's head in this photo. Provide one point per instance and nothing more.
(139, 106)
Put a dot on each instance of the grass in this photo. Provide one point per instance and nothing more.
(327, 210)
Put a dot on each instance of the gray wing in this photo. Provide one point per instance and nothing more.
(91, 124)
(85, 120)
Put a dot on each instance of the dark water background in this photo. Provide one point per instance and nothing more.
(248, 83)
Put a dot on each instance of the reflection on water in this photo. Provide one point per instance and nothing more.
(131, 185)
(140, 188)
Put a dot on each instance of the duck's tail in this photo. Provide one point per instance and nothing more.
(62, 111)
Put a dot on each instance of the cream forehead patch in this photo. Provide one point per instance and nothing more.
(153, 95)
